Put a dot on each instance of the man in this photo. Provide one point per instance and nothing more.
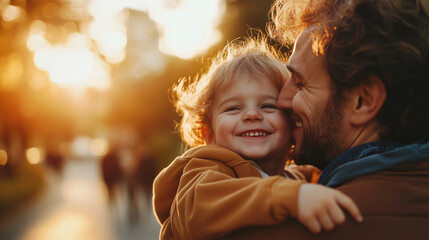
(359, 96)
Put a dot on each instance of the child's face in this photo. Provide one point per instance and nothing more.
(247, 121)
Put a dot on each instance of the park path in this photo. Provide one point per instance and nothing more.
(74, 207)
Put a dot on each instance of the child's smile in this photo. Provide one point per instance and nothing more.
(247, 121)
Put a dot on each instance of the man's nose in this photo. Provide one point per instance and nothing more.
(286, 95)
(252, 115)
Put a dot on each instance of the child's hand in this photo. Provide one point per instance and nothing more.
(320, 207)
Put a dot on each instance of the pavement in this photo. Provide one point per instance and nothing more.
(74, 206)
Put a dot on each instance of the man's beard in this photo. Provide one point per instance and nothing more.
(319, 144)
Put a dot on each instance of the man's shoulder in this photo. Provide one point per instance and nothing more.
(392, 191)
(394, 203)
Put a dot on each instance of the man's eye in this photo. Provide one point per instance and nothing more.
(299, 85)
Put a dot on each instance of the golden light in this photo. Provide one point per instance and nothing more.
(186, 29)
(108, 28)
(111, 42)
(64, 223)
(12, 13)
(12, 71)
(189, 28)
(37, 26)
(71, 64)
(36, 41)
(99, 147)
(115, 41)
(38, 81)
(3, 157)
(33, 155)
(43, 58)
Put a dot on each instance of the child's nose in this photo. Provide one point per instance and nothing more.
(252, 115)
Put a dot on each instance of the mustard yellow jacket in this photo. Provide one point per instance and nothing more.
(210, 191)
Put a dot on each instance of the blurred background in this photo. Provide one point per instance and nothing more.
(86, 121)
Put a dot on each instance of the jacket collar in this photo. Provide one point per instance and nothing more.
(371, 157)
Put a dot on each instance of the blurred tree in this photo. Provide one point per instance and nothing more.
(27, 112)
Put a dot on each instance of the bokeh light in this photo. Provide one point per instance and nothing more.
(12, 13)
(81, 147)
(3, 157)
(99, 146)
(33, 155)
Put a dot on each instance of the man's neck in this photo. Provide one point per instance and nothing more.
(368, 133)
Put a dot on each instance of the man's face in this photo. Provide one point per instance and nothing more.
(316, 119)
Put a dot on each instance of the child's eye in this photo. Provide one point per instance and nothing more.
(232, 109)
(272, 106)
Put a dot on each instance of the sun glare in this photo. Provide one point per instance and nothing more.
(185, 29)
(189, 28)
(71, 64)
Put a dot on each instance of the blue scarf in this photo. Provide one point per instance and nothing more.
(371, 157)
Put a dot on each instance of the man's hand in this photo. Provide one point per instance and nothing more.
(320, 207)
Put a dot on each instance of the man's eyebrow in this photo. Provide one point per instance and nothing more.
(294, 71)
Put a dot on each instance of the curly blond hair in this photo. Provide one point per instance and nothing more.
(193, 97)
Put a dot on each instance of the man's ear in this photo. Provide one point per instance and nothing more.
(207, 134)
(368, 98)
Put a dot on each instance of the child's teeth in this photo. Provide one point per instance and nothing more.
(255, 134)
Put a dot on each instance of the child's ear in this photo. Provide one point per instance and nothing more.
(368, 98)
(207, 135)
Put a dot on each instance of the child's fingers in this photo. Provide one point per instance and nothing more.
(326, 222)
(348, 204)
(337, 215)
(313, 225)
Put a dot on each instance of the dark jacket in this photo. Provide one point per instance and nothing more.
(393, 198)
